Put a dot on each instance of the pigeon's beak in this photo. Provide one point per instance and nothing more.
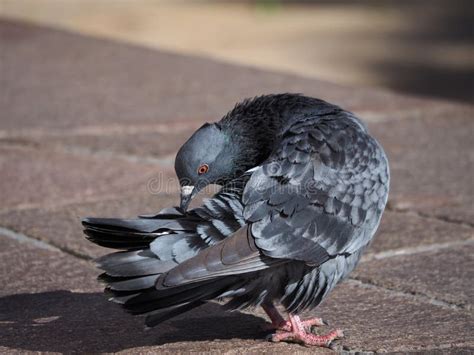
(187, 194)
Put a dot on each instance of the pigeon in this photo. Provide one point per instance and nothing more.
(303, 189)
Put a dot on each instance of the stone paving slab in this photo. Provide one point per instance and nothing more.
(32, 177)
(431, 162)
(439, 184)
(76, 81)
(377, 320)
(103, 120)
(150, 144)
(162, 87)
(62, 227)
(444, 275)
(51, 302)
(401, 231)
(33, 269)
(56, 306)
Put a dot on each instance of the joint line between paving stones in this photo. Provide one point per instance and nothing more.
(447, 346)
(168, 161)
(164, 161)
(38, 243)
(23, 238)
(429, 216)
(415, 250)
(71, 202)
(404, 349)
(420, 297)
(100, 131)
(446, 219)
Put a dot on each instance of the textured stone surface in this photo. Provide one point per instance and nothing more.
(92, 130)
(60, 309)
(101, 82)
(405, 231)
(380, 320)
(31, 177)
(444, 275)
(33, 269)
(431, 162)
(93, 85)
(62, 227)
(51, 302)
(146, 142)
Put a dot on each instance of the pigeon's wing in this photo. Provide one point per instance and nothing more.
(235, 255)
(157, 243)
(321, 193)
(172, 234)
(216, 271)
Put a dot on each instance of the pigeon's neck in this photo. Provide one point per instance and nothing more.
(255, 126)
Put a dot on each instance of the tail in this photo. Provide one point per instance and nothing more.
(222, 270)
(150, 247)
(134, 271)
(136, 233)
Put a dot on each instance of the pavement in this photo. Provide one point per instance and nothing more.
(90, 127)
(422, 47)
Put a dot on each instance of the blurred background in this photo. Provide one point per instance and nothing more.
(417, 47)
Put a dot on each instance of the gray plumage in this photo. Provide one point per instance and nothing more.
(304, 188)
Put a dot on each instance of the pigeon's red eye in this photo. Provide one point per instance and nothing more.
(203, 169)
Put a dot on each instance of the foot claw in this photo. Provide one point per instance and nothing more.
(296, 330)
(300, 335)
(269, 337)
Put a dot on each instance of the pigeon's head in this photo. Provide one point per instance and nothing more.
(208, 157)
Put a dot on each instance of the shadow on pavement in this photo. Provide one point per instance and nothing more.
(63, 321)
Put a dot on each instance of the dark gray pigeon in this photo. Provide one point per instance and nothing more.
(303, 188)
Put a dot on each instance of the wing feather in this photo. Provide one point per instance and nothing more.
(321, 194)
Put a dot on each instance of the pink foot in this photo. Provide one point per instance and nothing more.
(309, 339)
(299, 334)
(279, 324)
(285, 325)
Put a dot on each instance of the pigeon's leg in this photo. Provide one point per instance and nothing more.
(279, 323)
(299, 334)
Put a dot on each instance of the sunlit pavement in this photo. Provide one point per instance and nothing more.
(90, 127)
(421, 47)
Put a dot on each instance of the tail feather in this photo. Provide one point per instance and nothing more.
(130, 275)
(136, 233)
(124, 240)
(148, 266)
(133, 264)
(144, 225)
(133, 284)
(166, 300)
(122, 257)
(153, 245)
